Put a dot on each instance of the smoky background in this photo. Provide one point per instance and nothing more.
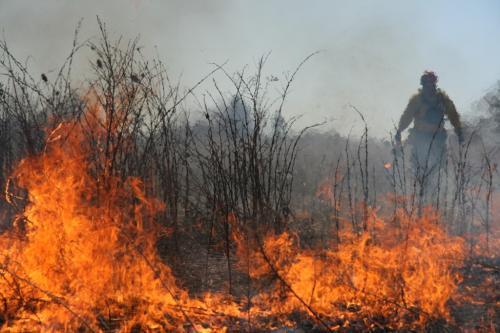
(372, 53)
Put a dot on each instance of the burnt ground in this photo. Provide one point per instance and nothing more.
(478, 307)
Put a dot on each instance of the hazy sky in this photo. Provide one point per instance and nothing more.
(373, 52)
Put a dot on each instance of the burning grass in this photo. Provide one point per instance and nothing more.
(81, 250)
(396, 277)
(125, 172)
(82, 256)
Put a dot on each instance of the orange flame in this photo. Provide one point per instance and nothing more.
(82, 256)
(376, 274)
(85, 250)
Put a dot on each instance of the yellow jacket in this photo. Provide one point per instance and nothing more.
(429, 115)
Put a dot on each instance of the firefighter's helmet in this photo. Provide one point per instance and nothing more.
(428, 77)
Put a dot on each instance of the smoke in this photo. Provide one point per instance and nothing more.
(372, 53)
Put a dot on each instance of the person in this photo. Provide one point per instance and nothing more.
(428, 110)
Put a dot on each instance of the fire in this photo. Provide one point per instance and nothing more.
(378, 274)
(82, 256)
(81, 252)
